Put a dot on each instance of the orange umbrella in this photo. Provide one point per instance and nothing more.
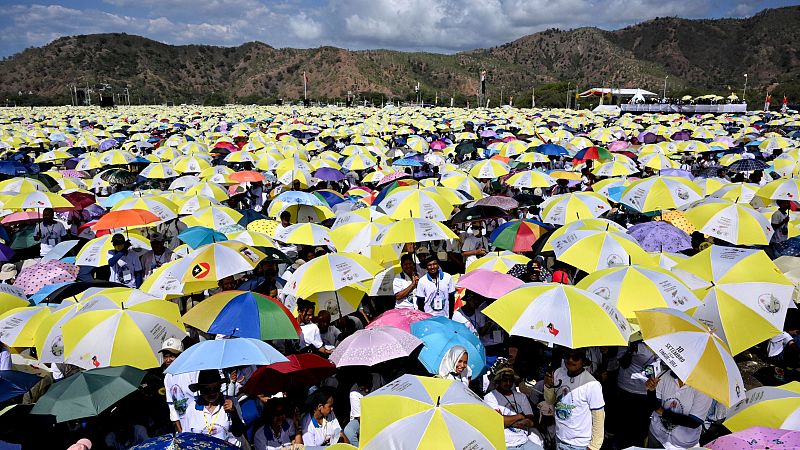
(125, 218)
(247, 175)
(677, 219)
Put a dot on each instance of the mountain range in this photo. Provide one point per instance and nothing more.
(694, 56)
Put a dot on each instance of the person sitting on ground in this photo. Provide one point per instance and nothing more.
(319, 425)
(279, 430)
(518, 417)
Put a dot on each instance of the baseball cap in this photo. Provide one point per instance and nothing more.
(173, 345)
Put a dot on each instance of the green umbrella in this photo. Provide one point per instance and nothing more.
(24, 237)
(89, 393)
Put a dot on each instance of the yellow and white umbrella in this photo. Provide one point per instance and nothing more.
(745, 296)
(613, 169)
(413, 230)
(737, 223)
(301, 213)
(560, 314)
(462, 182)
(304, 234)
(530, 179)
(781, 189)
(592, 250)
(242, 156)
(37, 200)
(657, 161)
(695, 354)
(158, 171)
(116, 158)
(634, 288)
(359, 161)
(11, 297)
(330, 272)
(89, 161)
(109, 333)
(215, 262)
(498, 261)
(427, 413)
(737, 192)
(49, 338)
(489, 168)
(412, 202)
(194, 163)
(215, 217)
(565, 208)
(660, 193)
(767, 406)
(210, 190)
(189, 205)
(53, 155)
(22, 185)
(95, 253)
(18, 326)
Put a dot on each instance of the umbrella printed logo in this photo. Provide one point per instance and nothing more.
(57, 348)
(613, 260)
(769, 303)
(603, 292)
(201, 270)
(552, 329)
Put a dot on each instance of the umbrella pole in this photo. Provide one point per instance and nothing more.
(338, 306)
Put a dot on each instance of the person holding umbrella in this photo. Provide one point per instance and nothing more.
(678, 412)
(212, 414)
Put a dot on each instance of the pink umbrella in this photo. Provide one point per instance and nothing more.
(758, 438)
(438, 145)
(618, 145)
(39, 275)
(374, 345)
(21, 216)
(399, 318)
(392, 177)
(489, 283)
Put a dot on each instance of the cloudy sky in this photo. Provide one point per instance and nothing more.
(429, 25)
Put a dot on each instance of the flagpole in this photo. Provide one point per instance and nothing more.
(305, 86)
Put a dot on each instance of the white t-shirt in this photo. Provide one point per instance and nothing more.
(319, 434)
(310, 336)
(265, 439)
(211, 423)
(510, 405)
(436, 292)
(639, 361)
(399, 284)
(776, 344)
(472, 242)
(50, 235)
(179, 398)
(681, 400)
(576, 397)
(330, 336)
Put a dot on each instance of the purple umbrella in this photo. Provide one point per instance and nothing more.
(677, 173)
(660, 236)
(681, 136)
(6, 253)
(328, 174)
(107, 144)
(488, 133)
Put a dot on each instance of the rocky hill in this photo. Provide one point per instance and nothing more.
(699, 56)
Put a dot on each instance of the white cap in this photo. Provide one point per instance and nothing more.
(173, 345)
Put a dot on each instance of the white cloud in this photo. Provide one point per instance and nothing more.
(432, 25)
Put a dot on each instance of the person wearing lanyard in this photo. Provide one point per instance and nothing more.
(48, 232)
(157, 256)
(405, 283)
(320, 426)
(214, 415)
(515, 408)
(436, 290)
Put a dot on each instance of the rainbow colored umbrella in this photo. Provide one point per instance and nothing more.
(243, 314)
(517, 235)
(595, 153)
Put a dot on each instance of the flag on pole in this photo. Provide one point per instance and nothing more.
(767, 102)
(483, 82)
(305, 85)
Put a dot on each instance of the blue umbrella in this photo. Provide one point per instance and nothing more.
(440, 335)
(13, 168)
(660, 236)
(184, 441)
(300, 198)
(115, 198)
(248, 215)
(224, 353)
(13, 383)
(198, 236)
(42, 294)
(552, 150)
(407, 162)
(6, 253)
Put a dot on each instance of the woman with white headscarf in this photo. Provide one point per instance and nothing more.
(455, 365)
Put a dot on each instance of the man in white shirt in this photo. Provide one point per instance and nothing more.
(475, 244)
(327, 332)
(476, 321)
(310, 338)
(679, 412)
(780, 221)
(515, 408)
(579, 405)
(48, 232)
(436, 290)
(157, 256)
(405, 284)
(126, 268)
(179, 397)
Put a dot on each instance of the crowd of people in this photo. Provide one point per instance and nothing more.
(549, 396)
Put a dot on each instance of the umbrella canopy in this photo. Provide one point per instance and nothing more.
(300, 371)
(330, 272)
(757, 438)
(423, 412)
(400, 318)
(184, 441)
(565, 208)
(199, 236)
(243, 314)
(440, 334)
(591, 250)
(87, 394)
(745, 296)
(125, 218)
(374, 345)
(695, 354)
(517, 235)
(225, 353)
(488, 283)
(775, 407)
(660, 236)
(560, 314)
(14, 384)
(34, 277)
(413, 230)
(659, 193)
(736, 223)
